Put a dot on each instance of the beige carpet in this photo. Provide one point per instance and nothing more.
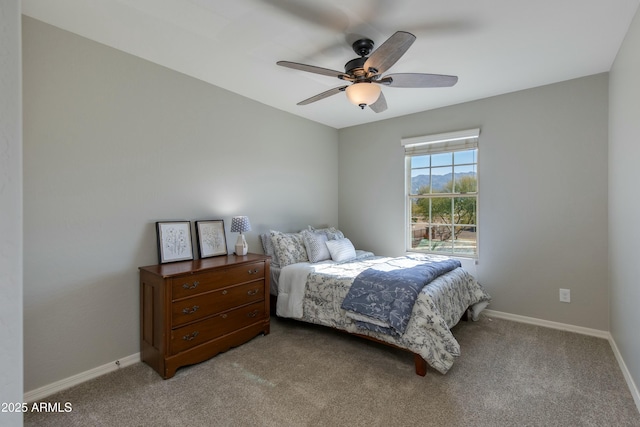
(509, 374)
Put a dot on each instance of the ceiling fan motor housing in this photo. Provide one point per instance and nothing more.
(355, 67)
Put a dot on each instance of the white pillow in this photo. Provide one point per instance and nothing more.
(341, 249)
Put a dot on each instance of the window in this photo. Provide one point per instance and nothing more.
(442, 193)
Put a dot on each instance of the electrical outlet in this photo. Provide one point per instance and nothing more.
(565, 295)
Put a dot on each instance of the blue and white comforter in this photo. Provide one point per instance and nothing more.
(314, 293)
(382, 297)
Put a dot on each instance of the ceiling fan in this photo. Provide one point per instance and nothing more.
(365, 73)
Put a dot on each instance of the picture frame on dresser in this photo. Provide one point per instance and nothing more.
(174, 241)
(211, 238)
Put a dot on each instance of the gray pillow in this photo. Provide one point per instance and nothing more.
(267, 246)
(316, 246)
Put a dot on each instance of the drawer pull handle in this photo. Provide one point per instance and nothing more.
(188, 310)
(193, 286)
(254, 271)
(224, 316)
(253, 292)
(190, 336)
(225, 292)
(253, 313)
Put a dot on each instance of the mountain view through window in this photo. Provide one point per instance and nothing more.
(443, 198)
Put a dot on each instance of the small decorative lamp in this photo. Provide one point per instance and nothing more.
(240, 224)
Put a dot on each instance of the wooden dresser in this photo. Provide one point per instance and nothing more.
(193, 310)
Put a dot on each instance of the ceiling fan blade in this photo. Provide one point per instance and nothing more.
(418, 80)
(323, 95)
(380, 105)
(313, 12)
(389, 52)
(312, 69)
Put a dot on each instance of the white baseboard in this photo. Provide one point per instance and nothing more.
(548, 324)
(633, 388)
(48, 390)
(580, 330)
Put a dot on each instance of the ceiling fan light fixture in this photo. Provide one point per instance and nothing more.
(363, 94)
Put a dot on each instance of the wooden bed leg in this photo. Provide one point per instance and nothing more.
(421, 365)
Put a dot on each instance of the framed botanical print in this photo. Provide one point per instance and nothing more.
(211, 238)
(174, 241)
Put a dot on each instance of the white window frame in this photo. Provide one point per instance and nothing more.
(436, 144)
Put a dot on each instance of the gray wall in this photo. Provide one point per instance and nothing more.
(624, 203)
(543, 194)
(113, 143)
(10, 210)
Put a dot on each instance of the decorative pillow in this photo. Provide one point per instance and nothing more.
(267, 246)
(332, 233)
(316, 246)
(289, 247)
(341, 249)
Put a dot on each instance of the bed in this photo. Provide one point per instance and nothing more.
(314, 282)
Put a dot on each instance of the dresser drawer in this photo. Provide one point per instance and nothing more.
(193, 284)
(197, 333)
(194, 308)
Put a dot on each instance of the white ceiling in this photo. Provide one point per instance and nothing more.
(493, 46)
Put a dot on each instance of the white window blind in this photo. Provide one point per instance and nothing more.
(442, 142)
